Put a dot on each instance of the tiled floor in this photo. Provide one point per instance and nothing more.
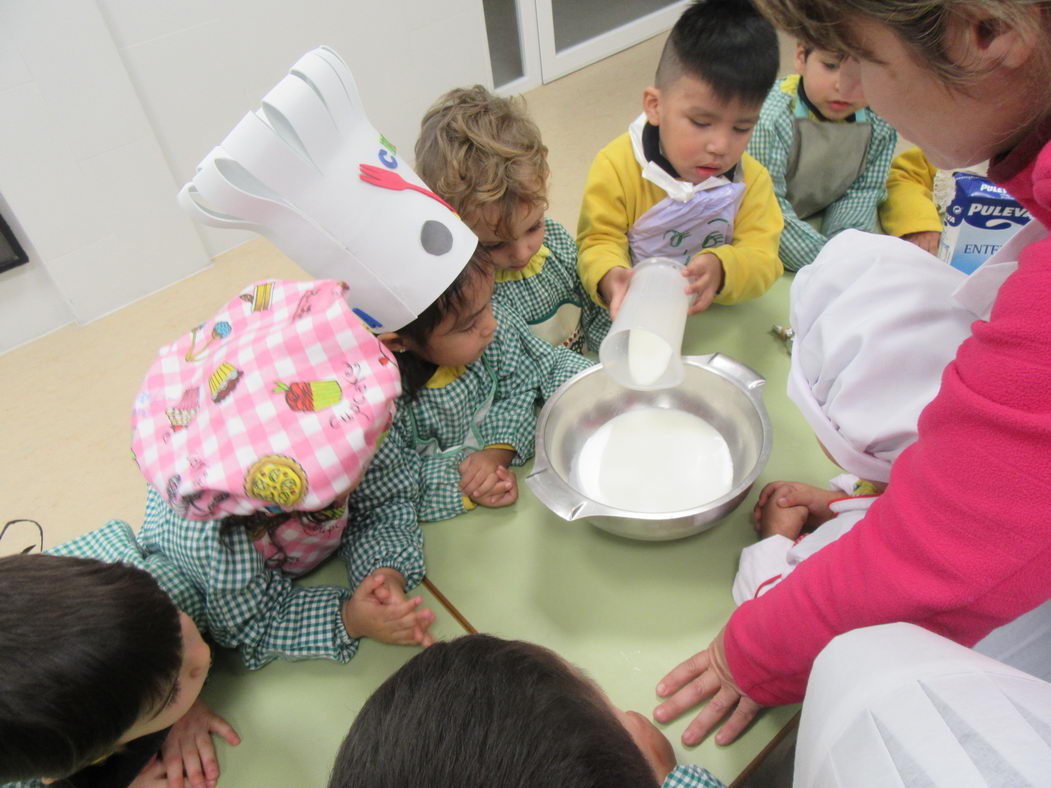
(626, 612)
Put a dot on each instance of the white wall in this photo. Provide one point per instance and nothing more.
(109, 105)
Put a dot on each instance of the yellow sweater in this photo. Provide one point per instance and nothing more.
(909, 207)
(616, 196)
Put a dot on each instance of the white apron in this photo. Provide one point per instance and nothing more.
(691, 218)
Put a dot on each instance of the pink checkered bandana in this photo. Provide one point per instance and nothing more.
(276, 405)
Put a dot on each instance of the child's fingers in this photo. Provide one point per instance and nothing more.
(705, 294)
(471, 477)
(221, 727)
(173, 768)
(193, 753)
(424, 618)
(396, 611)
(486, 486)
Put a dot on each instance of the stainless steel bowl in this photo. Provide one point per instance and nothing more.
(722, 391)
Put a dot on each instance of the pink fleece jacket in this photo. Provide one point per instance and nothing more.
(961, 541)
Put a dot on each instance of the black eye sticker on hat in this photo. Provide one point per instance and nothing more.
(435, 238)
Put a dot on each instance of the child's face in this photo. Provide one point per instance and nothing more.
(835, 99)
(701, 135)
(462, 338)
(514, 253)
(653, 744)
(196, 660)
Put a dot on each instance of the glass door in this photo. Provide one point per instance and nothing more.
(514, 48)
(575, 33)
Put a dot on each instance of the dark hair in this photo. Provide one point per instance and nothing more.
(481, 711)
(86, 648)
(415, 371)
(727, 45)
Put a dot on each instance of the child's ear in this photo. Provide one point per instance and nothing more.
(394, 342)
(651, 102)
(801, 55)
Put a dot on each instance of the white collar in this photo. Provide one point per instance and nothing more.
(681, 191)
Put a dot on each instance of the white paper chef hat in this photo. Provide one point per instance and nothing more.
(876, 324)
(308, 171)
(896, 705)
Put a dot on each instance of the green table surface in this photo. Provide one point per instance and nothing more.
(629, 611)
(624, 611)
(292, 716)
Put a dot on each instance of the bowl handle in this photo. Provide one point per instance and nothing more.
(551, 491)
(749, 379)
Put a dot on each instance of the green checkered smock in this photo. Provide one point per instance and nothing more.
(227, 589)
(771, 144)
(536, 296)
(691, 777)
(415, 475)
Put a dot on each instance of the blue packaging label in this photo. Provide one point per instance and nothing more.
(981, 218)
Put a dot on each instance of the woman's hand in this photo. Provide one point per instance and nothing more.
(706, 676)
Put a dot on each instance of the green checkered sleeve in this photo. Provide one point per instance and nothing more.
(384, 510)
(857, 209)
(116, 542)
(691, 777)
(528, 369)
(770, 144)
(248, 606)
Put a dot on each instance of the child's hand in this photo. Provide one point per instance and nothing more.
(479, 480)
(613, 286)
(791, 494)
(705, 272)
(151, 776)
(188, 749)
(774, 520)
(927, 240)
(504, 493)
(379, 610)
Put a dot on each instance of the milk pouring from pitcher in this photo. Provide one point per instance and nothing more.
(643, 349)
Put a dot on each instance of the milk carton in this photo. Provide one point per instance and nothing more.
(980, 218)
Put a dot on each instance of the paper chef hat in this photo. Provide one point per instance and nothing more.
(896, 705)
(876, 324)
(308, 171)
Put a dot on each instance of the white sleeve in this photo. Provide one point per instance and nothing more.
(761, 567)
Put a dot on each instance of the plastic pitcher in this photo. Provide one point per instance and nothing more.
(643, 349)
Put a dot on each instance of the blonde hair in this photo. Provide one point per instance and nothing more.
(924, 25)
(476, 150)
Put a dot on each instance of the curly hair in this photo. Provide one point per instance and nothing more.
(477, 150)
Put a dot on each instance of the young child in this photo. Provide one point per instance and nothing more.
(100, 673)
(484, 155)
(479, 710)
(909, 211)
(876, 322)
(473, 373)
(678, 184)
(252, 430)
(825, 150)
